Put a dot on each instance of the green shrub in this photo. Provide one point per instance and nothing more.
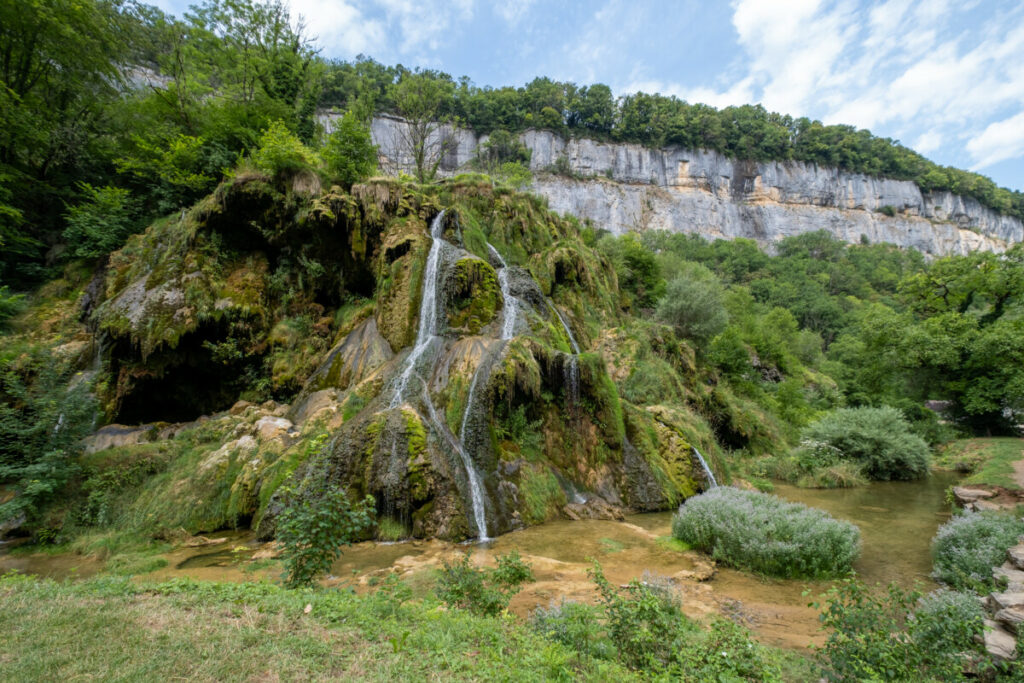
(645, 623)
(725, 652)
(101, 222)
(693, 304)
(10, 304)
(762, 533)
(389, 529)
(313, 528)
(897, 635)
(482, 591)
(576, 625)
(645, 620)
(43, 419)
(349, 154)
(281, 153)
(967, 547)
(879, 440)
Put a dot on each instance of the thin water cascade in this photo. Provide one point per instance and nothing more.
(427, 329)
(708, 474)
(572, 369)
(568, 330)
(508, 323)
(472, 476)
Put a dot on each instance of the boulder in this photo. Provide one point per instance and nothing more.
(1011, 618)
(1016, 555)
(115, 435)
(1003, 600)
(998, 642)
(965, 495)
(271, 427)
(1014, 577)
(594, 508)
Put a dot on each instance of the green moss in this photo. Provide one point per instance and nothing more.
(540, 493)
(475, 295)
(415, 434)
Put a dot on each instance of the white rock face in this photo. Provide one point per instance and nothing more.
(625, 187)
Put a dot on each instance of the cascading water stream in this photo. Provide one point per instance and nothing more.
(572, 370)
(508, 323)
(427, 329)
(472, 476)
(708, 474)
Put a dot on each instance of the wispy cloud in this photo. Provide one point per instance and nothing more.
(911, 67)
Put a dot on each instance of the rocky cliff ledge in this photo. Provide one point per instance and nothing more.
(624, 187)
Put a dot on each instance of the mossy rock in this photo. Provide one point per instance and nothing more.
(473, 295)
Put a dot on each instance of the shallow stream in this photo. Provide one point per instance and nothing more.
(897, 521)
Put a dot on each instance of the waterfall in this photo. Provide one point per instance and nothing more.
(708, 474)
(428, 310)
(568, 330)
(476, 489)
(508, 323)
(571, 370)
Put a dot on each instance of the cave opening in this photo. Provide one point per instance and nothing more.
(181, 384)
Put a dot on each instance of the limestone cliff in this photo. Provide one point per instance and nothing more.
(622, 187)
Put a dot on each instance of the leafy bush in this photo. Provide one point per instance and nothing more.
(762, 533)
(645, 620)
(101, 222)
(349, 153)
(281, 153)
(645, 623)
(42, 423)
(313, 528)
(896, 636)
(693, 304)
(10, 304)
(877, 439)
(482, 591)
(576, 625)
(967, 547)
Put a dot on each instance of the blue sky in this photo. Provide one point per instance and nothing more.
(944, 77)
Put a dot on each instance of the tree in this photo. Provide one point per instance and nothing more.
(418, 99)
(693, 305)
(350, 154)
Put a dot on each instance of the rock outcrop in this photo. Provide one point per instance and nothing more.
(623, 187)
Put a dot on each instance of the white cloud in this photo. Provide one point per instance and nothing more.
(928, 69)
(512, 11)
(340, 28)
(423, 24)
(928, 142)
(999, 141)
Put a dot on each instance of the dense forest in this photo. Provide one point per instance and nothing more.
(117, 109)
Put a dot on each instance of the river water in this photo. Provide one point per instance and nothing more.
(897, 521)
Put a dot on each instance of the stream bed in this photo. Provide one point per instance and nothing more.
(897, 521)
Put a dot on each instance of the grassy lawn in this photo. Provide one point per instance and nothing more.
(990, 460)
(111, 629)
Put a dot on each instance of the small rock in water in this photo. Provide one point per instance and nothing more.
(966, 495)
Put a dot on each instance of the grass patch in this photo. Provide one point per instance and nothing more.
(114, 629)
(762, 533)
(990, 461)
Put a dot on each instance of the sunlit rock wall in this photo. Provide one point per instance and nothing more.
(623, 187)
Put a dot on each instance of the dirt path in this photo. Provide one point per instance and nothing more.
(1018, 473)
